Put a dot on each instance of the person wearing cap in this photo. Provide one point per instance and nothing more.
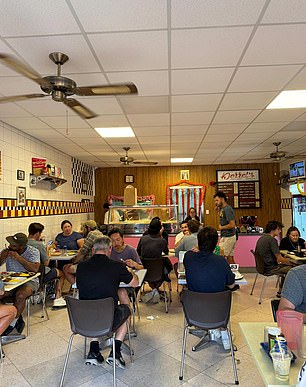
(19, 257)
(91, 234)
(68, 239)
(153, 246)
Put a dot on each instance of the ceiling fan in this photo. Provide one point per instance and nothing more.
(61, 88)
(277, 155)
(127, 160)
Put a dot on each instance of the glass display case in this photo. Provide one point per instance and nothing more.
(136, 219)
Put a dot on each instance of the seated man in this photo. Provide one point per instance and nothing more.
(294, 291)
(91, 234)
(7, 312)
(97, 278)
(189, 241)
(34, 239)
(20, 258)
(207, 272)
(267, 248)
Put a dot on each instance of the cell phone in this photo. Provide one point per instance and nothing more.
(123, 261)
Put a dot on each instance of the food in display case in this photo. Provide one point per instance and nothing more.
(135, 219)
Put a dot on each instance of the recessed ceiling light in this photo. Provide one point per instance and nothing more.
(115, 132)
(289, 99)
(182, 160)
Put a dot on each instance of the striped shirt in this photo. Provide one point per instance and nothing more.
(30, 254)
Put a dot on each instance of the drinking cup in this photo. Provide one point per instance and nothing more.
(281, 364)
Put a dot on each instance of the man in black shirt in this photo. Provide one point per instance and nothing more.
(97, 278)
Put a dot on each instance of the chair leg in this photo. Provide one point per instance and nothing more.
(254, 283)
(1, 352)
(44, 309)
(133, 314)
(85, 347)
(136, 304)
(233, 356)
(166, 298)
(28, 305)
(129, 337)
(114, 363)
(170, 290)
(262, 290)
(66, 359)
(183, 350)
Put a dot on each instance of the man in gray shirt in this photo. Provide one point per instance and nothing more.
(189, 241)
(294, 291)
(227, 226)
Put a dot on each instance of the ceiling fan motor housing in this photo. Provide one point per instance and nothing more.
(60, 87)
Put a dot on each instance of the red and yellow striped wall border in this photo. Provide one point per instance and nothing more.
(9, 208)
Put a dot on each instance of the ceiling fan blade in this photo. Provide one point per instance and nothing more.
(124, 88)
(21, 68)
(145, 162)
(79, 108)
(16, 98)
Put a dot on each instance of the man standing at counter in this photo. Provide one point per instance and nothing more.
(227, 226)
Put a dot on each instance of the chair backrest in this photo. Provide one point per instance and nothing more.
(260, 267)
(274, 307)
(155, 269)
(41, 271)
(91, 318)
(180, 267)
(207, 310)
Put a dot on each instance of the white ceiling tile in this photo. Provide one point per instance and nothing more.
(190, 129)
(277, 44)
(263, 127)
(144, 105)
(198, 81)
(235, 101)
(73, 122)
(284, 11)
(222, 135)
(302, 117)
(157, 119)
(102, 105)
(279, 115)
(147, 82)
(122, 141)
(186, 139)
(216, 47)
(262, 78)
(299, 82)
(18, 85)
(132, 51)
(235, 116)
(194, 103)
(26, 123)
(222, 129)
(45, 106)
(197, 13)
(87, 133)
(12, 110)
(87, 79)
(121, 15)
(36, 50)
(194, 118)
(109, 120)
(154, 140)
(148, 131)
(39, 18)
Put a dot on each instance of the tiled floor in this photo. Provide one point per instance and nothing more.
(38, 360)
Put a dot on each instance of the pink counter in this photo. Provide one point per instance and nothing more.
(243, 256)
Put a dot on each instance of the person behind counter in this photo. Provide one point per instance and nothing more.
(68, 239)
(292, 240)
(192, 215)
(111, 215)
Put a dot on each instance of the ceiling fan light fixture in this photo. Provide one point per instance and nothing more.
(181, 159)
(115, 132)
(289, 99)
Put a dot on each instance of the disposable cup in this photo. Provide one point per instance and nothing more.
(281, 364)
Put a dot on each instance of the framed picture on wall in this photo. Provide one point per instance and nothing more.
(21, 196)
(184, 174)
(129, 178)
(20, 174)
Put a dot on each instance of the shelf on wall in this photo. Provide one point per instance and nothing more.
(54, 181)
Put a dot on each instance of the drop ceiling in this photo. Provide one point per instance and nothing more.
(205, 71)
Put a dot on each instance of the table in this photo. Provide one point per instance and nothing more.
(140, 274)
(62, 257)
(182, 280)
(293, 258)
(253, 334)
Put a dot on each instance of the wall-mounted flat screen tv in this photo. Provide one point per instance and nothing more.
(297, 169)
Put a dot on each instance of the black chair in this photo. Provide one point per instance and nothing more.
(274, 307)
(207, 311)
(156, 273)
(260, 270)
(92, 318)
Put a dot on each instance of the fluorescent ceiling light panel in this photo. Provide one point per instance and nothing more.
(289, 99)
(115, 132)
(182, 160)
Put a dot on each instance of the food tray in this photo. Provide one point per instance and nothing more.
(265, 347)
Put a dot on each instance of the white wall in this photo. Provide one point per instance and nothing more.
(17, 150)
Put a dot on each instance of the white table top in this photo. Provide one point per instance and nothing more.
(182, 280)
(253, 333)
(62, 257)
(18, 281)
(140, 274)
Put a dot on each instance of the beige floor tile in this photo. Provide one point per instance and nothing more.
(203, 380)
(10, 376)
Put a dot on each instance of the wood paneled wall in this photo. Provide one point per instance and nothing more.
(153, 180)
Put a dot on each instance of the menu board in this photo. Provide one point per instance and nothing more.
(242, 188)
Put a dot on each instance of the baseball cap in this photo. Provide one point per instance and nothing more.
(90, 223)
(18, 239)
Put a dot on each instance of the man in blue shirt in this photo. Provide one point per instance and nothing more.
(207, 272)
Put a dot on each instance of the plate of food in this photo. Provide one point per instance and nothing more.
(71, 252)
(55, 254)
